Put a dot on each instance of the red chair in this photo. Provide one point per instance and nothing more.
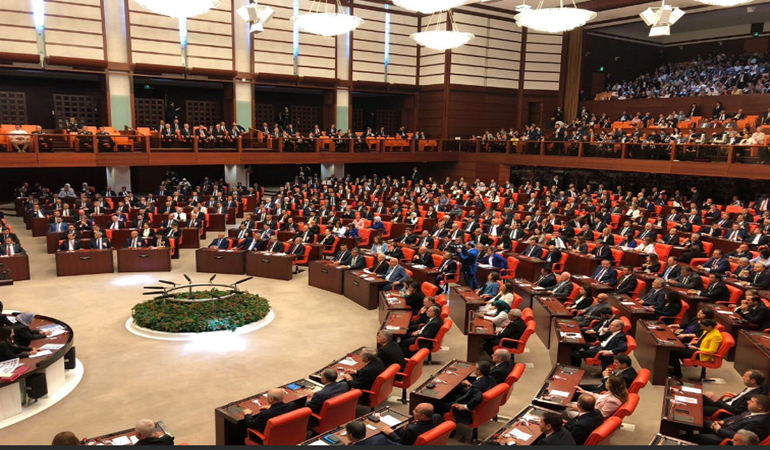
(408, 254)
(382, 387)
(637, 290)
(302, 259)
(337, 411)
(641, 380)
(695, 262)
(527, 314)
(627, 408)
(663, 250)
(331, 250)
(520, 343)
(727, 343)
(412, 372)
(617, 255)
(437, 341)
(286, 429)
(452, 277)
(735, 295)
(438, 260)
(602, 435)
(630, 347)
(511, 380)
(510, 272)
(364, 234)
(441, 299)
(444, 312)
(486, 410)
(438, 435)
(516, 301)
(559, 266)
(677, 319)
(429, 289)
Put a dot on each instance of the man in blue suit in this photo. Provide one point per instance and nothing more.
(468, 257)
(220, 243)
(533, 250)
(331, 389)
(394, 276)
(717, 263)
(605, 273)
(57, 227)
(343, 256)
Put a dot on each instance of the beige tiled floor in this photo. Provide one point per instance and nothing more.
(129, 378)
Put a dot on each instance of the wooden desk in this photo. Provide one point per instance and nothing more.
(678, 412)
(144, 260)
(752, 351)
(191, 237)
(732, 322)
(220, 261)
(630, 310)
(482, 273)
(125, 437)
(39, 226)
(269, 265)
(463, 300)
(216, 222)
(546, 308)
(391, 302)
(581, 264)
(522, 429)
(372, 428)
(422, 275)
(84, 262)
(725, 245)
(351, 361)
(18, 264)
(479, 329)
(324, 275)
(118, 237)
(661, 440)
(594, 286)
(655, 342)
(528, 268)
(363, 291)
(526, 291)
(559, 387)
(565, 337)
(52, 241)
(444, 381)
(397, 322)
(228, 419)
(631, 258)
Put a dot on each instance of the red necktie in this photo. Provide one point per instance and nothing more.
(9, 251)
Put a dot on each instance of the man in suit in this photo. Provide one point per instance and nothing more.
(656, 296)
(364, 378)
(135, 241)
(716, 291)
(736, 233)
(116, 223)
(553, 432)
(547, 278)
(389, 351)
(331, 389)
(59, 226)
(220, 243)
(355, 431)
(422, 257)
(600, 325)
(533, 250)
(756, 420)
(462, 406)
(648, 231)
(627, 281)
(424, 420)
(672, 269)
(358, 262)
(6, 233)
(602, 251)
(146, 434)
(759, 278)
(428, 331)
(514, 330)
(753, 379)
(249, 245)
(605, 273)
(503, 365)
(274, 408)
(611, 343)
(753, 309)
(343, 256)
(563, 288)
(447, 267)
(587, 420)
(687, 279)
(100, 242)
(621, 368)
(10, 248)
(407, 238)
(274, 245)
(70, 244)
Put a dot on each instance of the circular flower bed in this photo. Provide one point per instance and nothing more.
(233, 310)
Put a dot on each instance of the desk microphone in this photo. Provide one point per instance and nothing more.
(212, 278)
(187, 278)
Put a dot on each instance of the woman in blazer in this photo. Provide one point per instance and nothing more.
(652, 265)
(608, 402)
(708, 343)
(583, 300)
(671, 308)
(11, 350)
(379, 246)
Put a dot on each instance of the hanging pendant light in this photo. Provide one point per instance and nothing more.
(428, 6)
(325, 23)
(438, 37)
(553, 20)
(178, 8)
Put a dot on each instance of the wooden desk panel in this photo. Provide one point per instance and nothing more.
(463, 300)
(324, 275)
(559, 387)
(479, 329)
(220, 261)
(269, 265)
(546, 308)
(391, 302)
(655, 342)
(592, 285)
(581, 264)
(678, 412)
(372, 428)
(482, 273)
(528, 268)
(522, 429)
(144, 260)
(752, 351)
(423, 275)
(445, 380)
(397, 322)
(351, 361)
(124, 437)
(118, 237)
(630, 310)
(84, 262)
(18, 265)
(526, 291)
(191, 238)
(363, 291)
(661, 440)
(216, 222)
(39, 226)
(732, 322)
(563, 341)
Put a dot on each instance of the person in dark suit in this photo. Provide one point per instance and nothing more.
(23, 333)
(10, 248)
(605, 273)
(428, 331)
(274, 245)
(358, 262)
(135, 241)
(716, 264)
(422, 257)
(274, 408)
(553, 432)
(343, 256)
(693, 251)
(389, 352)
(472, 393)
(503, 365)
(547, 278)
(672, 269)
(364, 378)
(656, 296)
(70, 244)
(99, 241)
(670, 308)
(220, 243)
(249, 244)
(423, 421)
(356, 434)
(621, 368)
(611, 343)
(716, 291)
(331, 389)
(687, 279)
(753, 379)
(753, 309)
(756, 420)
(147, 434)
(533, 250)
(602, 251)
(563, 287)
(514, 330)
(587, 420)
(759, 278)
(407, 238)
(627, 281)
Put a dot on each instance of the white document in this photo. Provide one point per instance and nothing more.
(683, 399)
(318, 442)
(371, 427)
(486, 266)
(392, 327)
(570, 335)
(41, 353)
(122, 440)
(691, 390)
(722, 311)
(628, 303)
(389, 420)
(557, 393)
(418, 266)
(348, 362)
(520, 435)
(57, 332)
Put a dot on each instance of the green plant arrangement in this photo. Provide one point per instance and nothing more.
(233, 310)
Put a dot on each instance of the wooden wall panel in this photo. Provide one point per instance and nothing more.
(273, 48)
(368, 46)
(154, 38)
(209, 38)
(542, 72)
(17, 29)
(474, 111)
(491, 59)
(74, 29)
(430, 115)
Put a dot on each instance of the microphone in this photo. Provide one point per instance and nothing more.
(187, 278)
(167, 282)
(212, 278)
(243, 280)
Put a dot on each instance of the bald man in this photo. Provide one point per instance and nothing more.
(424, 420)
(274, 408)
(147, 434)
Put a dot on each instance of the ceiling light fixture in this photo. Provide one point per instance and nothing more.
(428, 6)
(325, 23)
(439, 38)
(552, 20)
(724, 3)
(257, 16)
(661, 19)
(178, 8)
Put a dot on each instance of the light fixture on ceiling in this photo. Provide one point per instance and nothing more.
(428, 6)
(257, 16)
(553, 20)
(661, 19)
(724, 3)
(437, 37)
(324, 23)
(178, 8)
